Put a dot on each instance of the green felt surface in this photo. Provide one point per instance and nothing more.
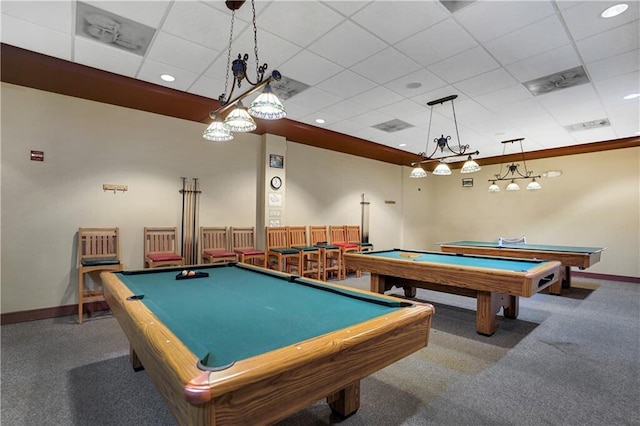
(522, 246)
(236, 313)
(488, 262)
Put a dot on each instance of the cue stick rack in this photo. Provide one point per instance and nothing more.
(190, 217)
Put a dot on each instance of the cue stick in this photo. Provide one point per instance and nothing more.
(195, 212)
(182, 230)
(185, 226)
(188, 222)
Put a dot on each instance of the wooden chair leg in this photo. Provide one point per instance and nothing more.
(80, 294)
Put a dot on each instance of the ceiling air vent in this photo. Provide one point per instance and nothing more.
(587, 125)
(288, 87)
(109, 28)
(558, 81)
(392, 126)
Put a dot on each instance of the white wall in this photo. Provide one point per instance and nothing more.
(87, 144)
(595, 203)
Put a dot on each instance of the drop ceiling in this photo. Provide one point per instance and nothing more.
(372, 66)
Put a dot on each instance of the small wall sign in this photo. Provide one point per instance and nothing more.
(37, 155)
(467, 182)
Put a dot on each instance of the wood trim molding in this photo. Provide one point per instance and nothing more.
(30, 69)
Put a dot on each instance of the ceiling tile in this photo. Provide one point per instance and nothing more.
(544, 64)
(343, 109)
(347, 8)
(55, 15)
(610, 43)
(458, 69)
(617, 65)
(531, 40)
(405, 86)
(314, 99)
(36, 38)
(584, 20)
(201, 24)
(346, 83)
(377, 97)
(355, 44)
(291, 20)
(515, 93)
(487, 20)
(180, 53)
(485, 83)
(102, 56)
(309, 68)
(441, 41)
(399, 23)
(386, 66)
(151, 71)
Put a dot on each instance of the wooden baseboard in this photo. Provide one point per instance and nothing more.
(46, 313)
(619, 278)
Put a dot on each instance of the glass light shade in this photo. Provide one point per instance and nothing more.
(267, 106)
(513, 186)
(533, 185)
(239, 120)
(418, 172)
(469, 166)
(494, 188)
(442, 170)
(217, 132)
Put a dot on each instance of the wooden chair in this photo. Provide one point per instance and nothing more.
(214, 245)
(243, 243)
(98, 250)
(278, 248)
(330, 258)
(338, 235)
(353, 237)
(161, 247)
(308, 262)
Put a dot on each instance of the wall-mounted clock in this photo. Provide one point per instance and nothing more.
(276, 182)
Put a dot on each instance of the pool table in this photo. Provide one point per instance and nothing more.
(238, 344)
(580, 257)
(495, 282)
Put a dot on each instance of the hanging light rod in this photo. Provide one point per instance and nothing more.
(266, 106)
(443, 142)
(513, 173)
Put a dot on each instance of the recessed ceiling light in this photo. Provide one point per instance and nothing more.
(402, 144)
(614, 10)
(167, 77)
(632, 96)
(320, 121)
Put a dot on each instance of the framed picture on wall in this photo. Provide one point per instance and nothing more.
(467, 182)
(276, 161)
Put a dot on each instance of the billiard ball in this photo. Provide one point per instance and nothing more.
(191, 273)
(184, 272)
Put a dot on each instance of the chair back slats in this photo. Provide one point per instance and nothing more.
(214, 238)
(337, 234)
(353, 234)
(96, 243)
(242, 238)
(317, 234)
(297, 236)
(277, 237)
(160, 240)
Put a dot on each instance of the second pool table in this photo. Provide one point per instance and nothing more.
(569, 256)
(495, 282)
(244, 345)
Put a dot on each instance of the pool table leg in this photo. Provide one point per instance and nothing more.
(346, 401)
(563, 282)
(136, 364)
(488, 305)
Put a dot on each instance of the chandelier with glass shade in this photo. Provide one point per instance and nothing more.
(266, 106)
